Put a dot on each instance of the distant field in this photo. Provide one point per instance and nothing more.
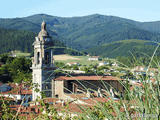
(67, 58)
(20, 54)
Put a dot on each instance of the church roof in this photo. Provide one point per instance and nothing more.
(87, 78)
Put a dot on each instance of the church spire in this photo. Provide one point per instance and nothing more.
(43, 26)
(42, 64)
(43, 32)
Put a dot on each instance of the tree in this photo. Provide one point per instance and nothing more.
(15, 69)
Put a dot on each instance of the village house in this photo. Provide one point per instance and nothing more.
(103, 63)
(115, 64)
(74, 71)
(142, 70)
(93, 58)
(87, 85)
(72, 63)
(16, 93)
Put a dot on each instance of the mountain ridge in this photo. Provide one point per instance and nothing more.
(83, 33)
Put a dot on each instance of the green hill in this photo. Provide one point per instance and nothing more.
(88, 31)
(93, 33)
(95, 30)
(125, 48)
(19, 24)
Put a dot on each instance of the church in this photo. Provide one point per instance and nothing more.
(42, 65)
(44, 81)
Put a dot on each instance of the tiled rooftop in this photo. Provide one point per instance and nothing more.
(87, 78)
(18, 90)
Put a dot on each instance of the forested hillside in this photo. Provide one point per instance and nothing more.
(19, 40)
(93, 30)
(22, 40)
(81, 33)
(16, 40)
(137, 48)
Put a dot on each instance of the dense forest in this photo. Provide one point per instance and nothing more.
(22, 40)
(16, 40)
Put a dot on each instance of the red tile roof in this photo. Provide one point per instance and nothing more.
(28, 92)
(87, 78)
(18, 90)
(46, 100)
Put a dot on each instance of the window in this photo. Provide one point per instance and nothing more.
(46, 57)
(33, 109)
(38, 57)
(56, 96)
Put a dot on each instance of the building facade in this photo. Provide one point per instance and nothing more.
(42, 65)
(81, 84)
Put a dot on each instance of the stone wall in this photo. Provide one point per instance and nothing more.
(59, 89)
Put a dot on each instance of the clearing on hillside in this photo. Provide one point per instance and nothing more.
(19, 53)
(68, 58)
(64, 57)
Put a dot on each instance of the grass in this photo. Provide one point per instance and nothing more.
(20, 54)
(80, 59)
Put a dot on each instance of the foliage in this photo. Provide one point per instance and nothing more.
(5, 112)
(16, 69)
(59, 64)
(15, 40)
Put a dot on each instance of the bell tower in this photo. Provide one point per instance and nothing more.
(42, 65)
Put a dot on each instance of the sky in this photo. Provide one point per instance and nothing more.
(139, 10)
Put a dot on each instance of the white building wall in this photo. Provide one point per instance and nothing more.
(16, 97)
(37, 81)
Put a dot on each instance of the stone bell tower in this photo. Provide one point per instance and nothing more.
(42, 65)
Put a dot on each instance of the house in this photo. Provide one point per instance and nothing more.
(16, 92)
(115, 64)
(93, 58)
(139, 68)
(74, 71)
(142, 70)
(103, 63)
(13, 54)
(72, 63)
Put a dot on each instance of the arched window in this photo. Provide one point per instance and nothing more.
(46, 57)
(38, 56)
